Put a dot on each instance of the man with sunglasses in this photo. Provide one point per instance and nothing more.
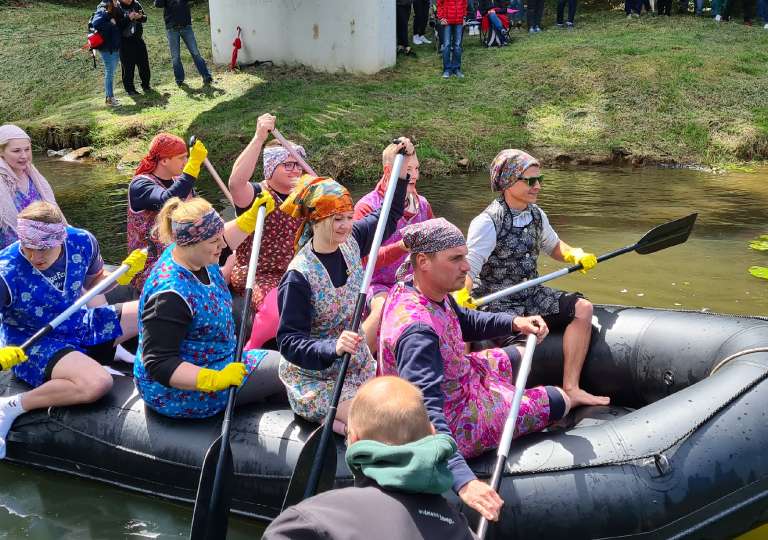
(504, 243)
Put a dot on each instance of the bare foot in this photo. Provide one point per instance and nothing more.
(580, 397)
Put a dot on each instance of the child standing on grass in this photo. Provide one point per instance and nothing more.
(450, 13)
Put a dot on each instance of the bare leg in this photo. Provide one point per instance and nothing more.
(75, 379)
(128, 322)
(371, 323)
(342, 413)
(575, 344)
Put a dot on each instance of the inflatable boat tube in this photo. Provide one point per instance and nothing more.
(678, 454)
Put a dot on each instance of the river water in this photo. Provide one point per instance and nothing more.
(597, 209)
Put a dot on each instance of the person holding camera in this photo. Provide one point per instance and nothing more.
(110, 20)
(133, 50)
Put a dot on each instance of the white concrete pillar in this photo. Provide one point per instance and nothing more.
(357, 36)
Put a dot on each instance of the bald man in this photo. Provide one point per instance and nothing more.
(400, 467)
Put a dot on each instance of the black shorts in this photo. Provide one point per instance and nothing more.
(102, 353)
(558, 321)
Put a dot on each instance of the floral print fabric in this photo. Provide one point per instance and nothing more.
(35, 301)
(209, 343)
(478, 387)
(310, 392)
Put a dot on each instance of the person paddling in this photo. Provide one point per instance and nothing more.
(392, 253)
(21, 183)
(467, 396)
(281, 171)
(400, 466)
(185, 361)
(317, 296)
(504, 243)
(164, 173)
(41, 275)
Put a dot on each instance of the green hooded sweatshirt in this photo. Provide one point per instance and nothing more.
(417, 467)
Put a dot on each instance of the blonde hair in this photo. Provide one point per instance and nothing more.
(181, 212)
(43, 212)
(389, 410)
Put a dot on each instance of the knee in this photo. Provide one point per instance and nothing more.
(583, 309)
(94, 386)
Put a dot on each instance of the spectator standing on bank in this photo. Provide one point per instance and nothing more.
(534, 14)
(420, 18)
(402, 16)
(133, 50)
(178, 26)
(451, 13)
(109, 20)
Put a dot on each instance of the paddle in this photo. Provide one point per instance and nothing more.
(510, 424)
(294, 154)
(214, 174)
(209, 517)
(323, 458)
(99, 288)
(661, 237)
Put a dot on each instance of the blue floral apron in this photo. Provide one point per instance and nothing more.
(35, 301)
(209, 343)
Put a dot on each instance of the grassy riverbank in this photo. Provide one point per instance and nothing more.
(673, 90)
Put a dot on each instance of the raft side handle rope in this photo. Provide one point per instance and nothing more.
(727, 359)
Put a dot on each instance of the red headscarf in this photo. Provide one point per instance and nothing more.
(164, 145)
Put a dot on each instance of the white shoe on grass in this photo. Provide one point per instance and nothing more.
(417, 39)
(425, 41)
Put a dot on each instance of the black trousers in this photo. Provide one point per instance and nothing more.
(402, 14)
(535, 12)
(664, 7)
(420, 16)
(133, 53)
(747, 6)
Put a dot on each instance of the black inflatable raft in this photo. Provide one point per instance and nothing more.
(679, 454)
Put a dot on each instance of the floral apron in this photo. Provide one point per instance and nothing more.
(384, 277)
(35, 301)
(310, 391)
(275, 254)
(140, 234)
(209, 343)
(477, 386)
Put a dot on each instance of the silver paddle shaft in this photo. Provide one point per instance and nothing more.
(379, 234)
(514, 289)
(520, 382)
(291, 150)
(261, 216)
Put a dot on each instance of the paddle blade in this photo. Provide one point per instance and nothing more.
(666, 235)
(300, 476)
(211, 522)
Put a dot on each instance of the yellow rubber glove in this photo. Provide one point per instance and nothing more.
(135, 261)
(210, 380)
(10, 356)
(197, 155)
(246, 221)
(577, 256)
(464, 299)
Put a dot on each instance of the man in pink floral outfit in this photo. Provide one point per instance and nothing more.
(468, 396)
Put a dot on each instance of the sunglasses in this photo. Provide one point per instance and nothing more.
(531, 181)
(290, 165)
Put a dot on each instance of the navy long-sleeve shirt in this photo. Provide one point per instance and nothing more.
(294, 295)
(144, 194)
(419, 361)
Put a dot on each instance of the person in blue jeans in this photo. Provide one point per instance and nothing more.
(561, 10)
(451, 16)
(178, 26)
(109, 20)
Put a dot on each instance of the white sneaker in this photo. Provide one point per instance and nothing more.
(718, 18)
(417, 39)
(425, 41)
(765, 27)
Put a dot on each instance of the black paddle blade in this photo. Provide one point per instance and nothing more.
(210, 523)
(666, 235)
(300, 476)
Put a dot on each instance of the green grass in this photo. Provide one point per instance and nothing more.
(674, 90)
